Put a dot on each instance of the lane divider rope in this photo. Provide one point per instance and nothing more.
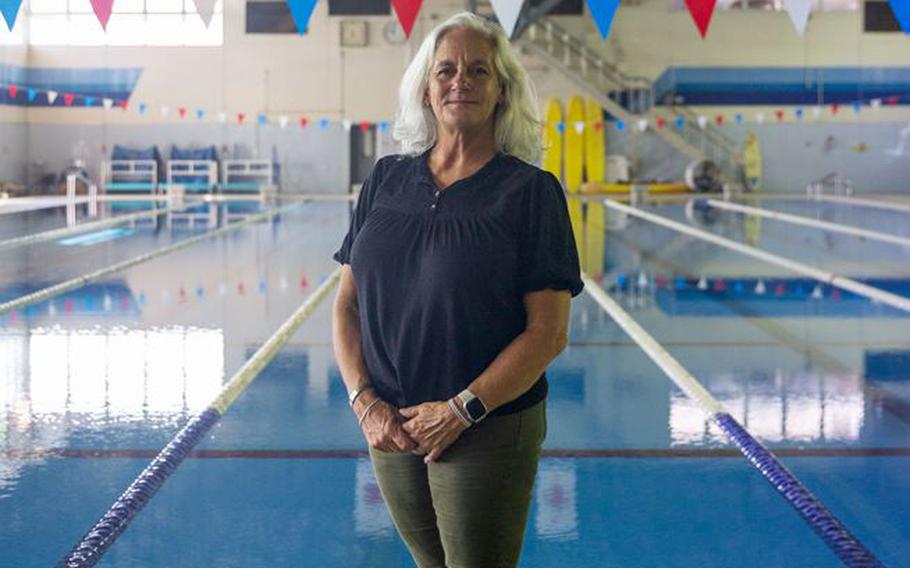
(78, 281)
(815, 223)
(88, 551)
(842, 282)
(827, 526)
(90, 226)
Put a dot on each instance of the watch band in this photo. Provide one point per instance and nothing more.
(473, 406)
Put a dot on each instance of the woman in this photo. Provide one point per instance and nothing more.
(458, 271)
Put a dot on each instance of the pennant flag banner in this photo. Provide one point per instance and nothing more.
(205, 8)
(701, 11)
(10, 9)
(13, 89)
(406, 11)
(301, 10)
(901, 9)
(89, 101)
(200, 114)
(103, 10)
(68, 99)
(108, 103)
(507, 12)
(603, 11)
(51, 97)
(798, 10)
(32, 93)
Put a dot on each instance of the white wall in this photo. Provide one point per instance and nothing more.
(314, 76)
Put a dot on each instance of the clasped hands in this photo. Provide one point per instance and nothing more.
(428, 428)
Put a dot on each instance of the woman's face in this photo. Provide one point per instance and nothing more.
(463, 89)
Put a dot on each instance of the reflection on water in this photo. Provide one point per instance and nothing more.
(784, 406)
(105, 376)
(557, 508)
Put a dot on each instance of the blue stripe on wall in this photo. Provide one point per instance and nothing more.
(114, 83)
(780, 85)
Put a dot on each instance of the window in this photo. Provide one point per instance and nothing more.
(133, 22)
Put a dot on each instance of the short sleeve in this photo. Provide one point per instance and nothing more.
(548, 255)
(361, 210)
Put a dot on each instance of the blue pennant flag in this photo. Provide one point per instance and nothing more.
(10, 9)
(680, 123)
(620, 125)
(799, 114)
(901, 9)
(142, 108)
(32, 93)
(323, 123)
(89, 101)
(603, 12)
(383, 126)
(857, 106)
(200, 114)
(739, 118)
(301, 10)
(263, 119)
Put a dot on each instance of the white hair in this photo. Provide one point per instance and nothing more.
(516, 121)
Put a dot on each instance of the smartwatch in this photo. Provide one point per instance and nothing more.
(474, 407)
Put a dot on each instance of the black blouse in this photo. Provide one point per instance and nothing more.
(441, 275)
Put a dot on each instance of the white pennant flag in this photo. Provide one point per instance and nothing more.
(51, 96)
(108, 103)
(165, 110)
(579, 127)
(346, 124)
(816, 111)
(760, 117)
(798, 11)
(283, 120)
(222, 116)
(643, 124)
(205, 8)
(875, 104)
(507, 12)
(702, 121)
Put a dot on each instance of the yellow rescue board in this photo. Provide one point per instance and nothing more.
(595, 147)
(575, 144)
(604, 188)
(752, 161)
(552, 138)
(595, 168)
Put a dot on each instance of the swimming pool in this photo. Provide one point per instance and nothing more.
(96, 381)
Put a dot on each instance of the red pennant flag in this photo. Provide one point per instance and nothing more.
(701, 11)
(406, 10)
(241, 289)
(598, 126)
(67, 305)
(182, 111)
(661, 123)
(891, 101)
(124, 104)
(364, 126)
(779, 114)
(103, 10)
(835, 294)
(68, 99)
(780, 289)
(834, 108)
(303, 281)
(719, 285)
(303, 122)
(241, 117)
(13, 89)
(719, 119)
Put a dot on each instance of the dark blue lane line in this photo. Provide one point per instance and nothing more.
(54, 453)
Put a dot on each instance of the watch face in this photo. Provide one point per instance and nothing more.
(475, 409)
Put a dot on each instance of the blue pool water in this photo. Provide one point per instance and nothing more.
(94, 382)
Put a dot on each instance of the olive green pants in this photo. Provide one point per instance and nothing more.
(469, 508)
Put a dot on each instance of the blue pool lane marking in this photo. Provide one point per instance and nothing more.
(111, 525)
(828, 527)
(89, 239)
